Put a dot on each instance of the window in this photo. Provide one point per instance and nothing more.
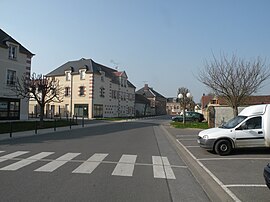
(82, 74)
(67, 91)
(9, 109)
(81, 90)
(12, 52)
(102, 76)
(253, 123)
(11, 77)
(102, 92)
(68, 76)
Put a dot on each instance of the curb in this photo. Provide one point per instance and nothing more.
(213, 190)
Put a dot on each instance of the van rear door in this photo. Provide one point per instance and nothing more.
(250, 133)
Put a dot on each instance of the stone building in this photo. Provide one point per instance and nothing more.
(92, 90)
(15, 62)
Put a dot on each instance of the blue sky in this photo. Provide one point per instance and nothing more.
(162, 43)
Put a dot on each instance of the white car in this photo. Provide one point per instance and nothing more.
(250, 129)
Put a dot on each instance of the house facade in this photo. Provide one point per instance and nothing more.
(92, 90)
(142, 106)
(173, 106)
(15, 61)
(157, 101)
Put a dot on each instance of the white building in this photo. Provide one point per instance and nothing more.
(15, 61)
(92, 90)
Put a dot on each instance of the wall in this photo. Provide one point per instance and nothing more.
(221, 115)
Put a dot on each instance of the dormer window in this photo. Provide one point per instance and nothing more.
(82, 74)
(12, 52)
(68, 75)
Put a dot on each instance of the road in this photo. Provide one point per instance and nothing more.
(128, 161)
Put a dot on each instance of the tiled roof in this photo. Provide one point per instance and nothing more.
(251, 100)
(4, 37)
(90, 66)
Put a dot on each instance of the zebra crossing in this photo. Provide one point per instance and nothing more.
(124, 167)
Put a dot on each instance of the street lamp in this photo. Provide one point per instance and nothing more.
(184, 98)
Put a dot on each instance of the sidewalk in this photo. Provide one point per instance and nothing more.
(15, 135)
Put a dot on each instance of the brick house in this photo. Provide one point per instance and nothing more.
(157, 101)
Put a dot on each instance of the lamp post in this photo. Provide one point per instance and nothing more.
(184, 99)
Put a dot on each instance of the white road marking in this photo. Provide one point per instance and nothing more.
(168, 169)
(225, 158)
(125, 166)
(49, 167)
(27, 161)
(12, 155)
(158, 167)
(245, 185)
(162, 168)
(2, 151)
(90, 165)
(192, 146)
(231, 194)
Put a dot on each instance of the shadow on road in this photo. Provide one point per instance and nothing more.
(78, 133)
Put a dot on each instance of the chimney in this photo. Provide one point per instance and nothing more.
(146, 87)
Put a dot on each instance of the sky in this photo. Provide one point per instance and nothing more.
(164, 44)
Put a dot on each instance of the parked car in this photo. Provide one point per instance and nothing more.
(266, 174)
(190, 116)
(250, 128)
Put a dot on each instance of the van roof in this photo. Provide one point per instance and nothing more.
(253, 110)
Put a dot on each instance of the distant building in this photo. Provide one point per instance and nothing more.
(157, 101)
(15, 61)
(142, 106)
(173, 106)
(92, 90)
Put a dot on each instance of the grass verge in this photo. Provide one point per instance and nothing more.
(18, 126)
(200, 125)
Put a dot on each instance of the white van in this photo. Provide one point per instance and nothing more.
(251, 128)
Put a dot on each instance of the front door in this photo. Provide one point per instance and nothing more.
(250, 133)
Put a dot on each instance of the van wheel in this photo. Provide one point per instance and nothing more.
(223, 147)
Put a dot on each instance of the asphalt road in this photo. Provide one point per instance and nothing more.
(130, 161)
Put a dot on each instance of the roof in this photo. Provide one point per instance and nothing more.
(172, 100)
(4, 37)
(251, 100)
(149, 92)
(90, 66)
(141, 99)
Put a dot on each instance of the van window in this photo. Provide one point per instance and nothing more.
(253, 123)
(234, 122)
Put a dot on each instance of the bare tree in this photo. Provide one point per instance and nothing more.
(234, 78)
(40, 88)
(185, 100)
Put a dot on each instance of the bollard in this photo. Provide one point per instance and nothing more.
(35, 127)
(83, 121)
(70, 123)
(10, 133)
(54, 124)
(76, 119)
